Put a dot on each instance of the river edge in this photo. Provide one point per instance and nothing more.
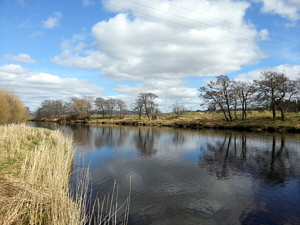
(291, 125)
(35, 166)
(35, 169)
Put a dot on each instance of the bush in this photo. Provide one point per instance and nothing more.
(12, 109)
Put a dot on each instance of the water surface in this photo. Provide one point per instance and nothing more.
(184, 176)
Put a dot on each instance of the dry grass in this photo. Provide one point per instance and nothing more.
(35, 168)
(35, 165)
(256, 121)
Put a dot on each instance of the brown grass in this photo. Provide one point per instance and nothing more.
(35, 165)
(257, 121)
(35, 171)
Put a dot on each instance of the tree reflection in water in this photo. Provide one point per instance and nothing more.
(145, 139)
(244, 178)
(229, 156)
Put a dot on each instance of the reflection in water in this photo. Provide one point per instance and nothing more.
(271, 161)
(145, 140)
(195, 177)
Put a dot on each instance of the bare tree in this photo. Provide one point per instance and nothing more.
(244, 92)
(101, 105)
(122, 107)
(218, 94)
(110, 105)
(59, 108)
(81, 107)
(138, 107)
(235, 100)
(267, 89)
(45, 110)
(52, 109)
(274, 89)
(149, 105)
(156, 113)
(178, 109)
(288, 92)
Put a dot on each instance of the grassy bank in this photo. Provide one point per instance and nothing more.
(35, 165)
(34, 172)
(257, 121)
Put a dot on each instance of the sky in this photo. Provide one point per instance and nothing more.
(58, 49)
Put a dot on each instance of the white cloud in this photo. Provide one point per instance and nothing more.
(264, 34)
(289, 9)
(87, 2)
(52, 21)
(167, 88)
(37, 34)
(137, 47)
(21, 58)
(168, 91)
(34, 87)
(291, 71)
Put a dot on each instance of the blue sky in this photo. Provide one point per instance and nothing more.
(52, 50)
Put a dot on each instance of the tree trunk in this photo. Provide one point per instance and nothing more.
(224, 112)
(235, 113)
(149, 116)
(282, 115)
(243, 109)
(229, 113)
(273, 111)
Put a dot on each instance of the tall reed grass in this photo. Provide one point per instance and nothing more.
(35, 165)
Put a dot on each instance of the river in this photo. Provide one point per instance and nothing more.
(181, 176)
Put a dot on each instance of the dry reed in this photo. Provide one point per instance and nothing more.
(35, 166)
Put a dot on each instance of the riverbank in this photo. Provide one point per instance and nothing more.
(35, 165)
(257, 121)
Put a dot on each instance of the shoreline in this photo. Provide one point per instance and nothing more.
(258, 123)
(35, 169)
(35, 166)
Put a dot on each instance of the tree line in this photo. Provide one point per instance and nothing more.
(273, 91)
(12, 109)
(82, 108)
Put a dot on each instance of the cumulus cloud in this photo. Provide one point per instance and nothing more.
(167, 90)
(34, 87)
(291, 71)
(289, 9)
(133, 46)
(52, 21)
(21, 58)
